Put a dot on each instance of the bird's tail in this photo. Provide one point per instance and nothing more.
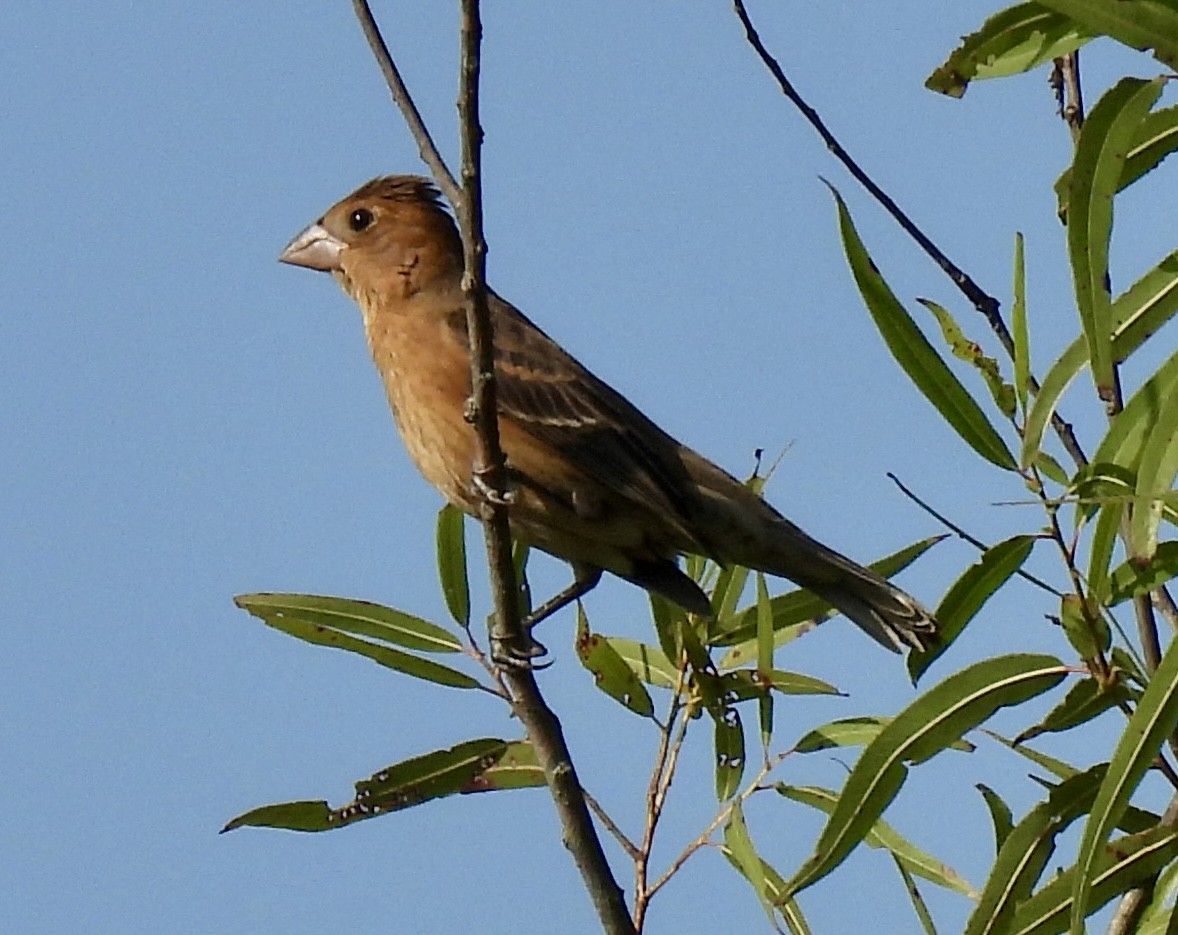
(744, 529)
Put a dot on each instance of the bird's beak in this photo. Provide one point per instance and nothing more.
(314, 248)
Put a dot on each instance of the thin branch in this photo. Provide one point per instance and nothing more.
(962, 534)
(985, 303)
(611, 826)
(542, 727)
(392, 75)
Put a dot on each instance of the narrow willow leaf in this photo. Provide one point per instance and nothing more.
(362, 618)
(288, 816)
(1000, 815)
(451, 546)
(775, 891)
(1159, 911)
(745, 858)
(1025, 851)
(1142, 309)
(882, 835)
(968, 595)
(1132, 427)
(726, 594)
(927, 726)
(1086, 630)
(1058, 379)
(1153, 719)
(971, 352)
(610, 672)
(1016, 40)
(1084, 701)
(1051, 764)
(1142, 24)
(1018, 325)
(320, 635)
(765, 647)
(1100, 158)
(400, 786)
(1156, 138)
(743, 684)
(1100, 552)
(913, 352)
(855, 732)
(649, 663)
(1155, 480)
(1134, 578)
(800, 608)
(1123, 864)
(918, 903)
(516, 768)
(730, 758)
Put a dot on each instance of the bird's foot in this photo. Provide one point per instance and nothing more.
(517, 651)
(479, 479)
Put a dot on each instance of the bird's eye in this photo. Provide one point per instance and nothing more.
(359, 219)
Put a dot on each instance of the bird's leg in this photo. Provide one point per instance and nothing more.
(585, 578)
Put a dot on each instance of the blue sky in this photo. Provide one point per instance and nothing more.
(185, 420)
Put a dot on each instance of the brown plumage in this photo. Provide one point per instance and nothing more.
(593, 480)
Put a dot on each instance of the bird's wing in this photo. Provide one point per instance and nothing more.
(543, 390)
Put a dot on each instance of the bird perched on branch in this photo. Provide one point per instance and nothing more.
(591, 479)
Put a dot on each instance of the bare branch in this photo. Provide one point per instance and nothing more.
(985, 303)
(425, 143)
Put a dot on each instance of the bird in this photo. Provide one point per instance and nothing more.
(590, 478)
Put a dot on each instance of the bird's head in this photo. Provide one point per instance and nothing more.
(390, 237)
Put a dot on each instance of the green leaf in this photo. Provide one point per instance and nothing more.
(745, 858)
(451, 545)
(1142, 309)
(1051, 764)
(649, 663)
(1133, 426)
(971, 352)
(1140, 24)
(1025, 851)
(1058, 378)
(1156, 138)
(968, 595)
(730, 759)
(881, 834)
(1140, 577)
(517, 768)
(362, 618)
(1153, 719)
(1100, 159)
(402, 785)
(1016, 40)
(610, 672)
(1123, 864)
(1018, 324)
(1084, 701)
(918, 904)
(927, 726)
(1000, 816)
(1155, 480)
(743, 684)
(913, 352)
(855, 732)
(306, 618)
(1085, 629)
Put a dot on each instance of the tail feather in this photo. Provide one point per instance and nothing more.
(744, 529)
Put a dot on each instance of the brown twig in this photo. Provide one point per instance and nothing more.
(962, 534)
(425, 143)
(985, 303)
(542, 727)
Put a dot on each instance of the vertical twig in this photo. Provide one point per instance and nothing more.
(542, 727)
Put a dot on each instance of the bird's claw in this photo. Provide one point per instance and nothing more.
(520, 654)
(505, 497)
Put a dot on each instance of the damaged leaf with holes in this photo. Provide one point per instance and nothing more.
(474, 766)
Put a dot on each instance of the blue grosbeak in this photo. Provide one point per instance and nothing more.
(592, 479)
